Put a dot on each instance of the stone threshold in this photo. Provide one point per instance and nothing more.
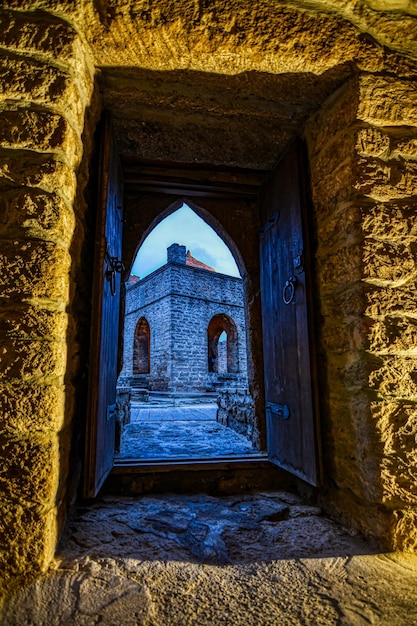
(220, 476)
(166, 465)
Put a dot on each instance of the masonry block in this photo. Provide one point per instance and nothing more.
(395, 377)
(385, 262)
(403, 535)
(393, 335)
(28, 536)
(40, 172)
(34, 34)
(35, 213)
(31, 322)
(29, 408)
(40, 132)
(396, 300)
(390, 221)
(34, 269)
(387, 101)
(25, 359)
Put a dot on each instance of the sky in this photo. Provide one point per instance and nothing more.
(188, 229)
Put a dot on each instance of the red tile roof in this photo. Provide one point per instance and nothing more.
(133, 280)
(193, 262)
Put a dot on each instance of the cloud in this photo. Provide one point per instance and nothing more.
(202, 254)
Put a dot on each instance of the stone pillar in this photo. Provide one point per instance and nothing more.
(364, 179)
(46, 83)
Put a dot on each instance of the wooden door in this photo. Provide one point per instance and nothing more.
(292, 429)
(103, 363)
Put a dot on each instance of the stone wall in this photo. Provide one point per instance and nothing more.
(236, 410)
(178, 301)
(46, 85)
(364, 181)
(230, 83)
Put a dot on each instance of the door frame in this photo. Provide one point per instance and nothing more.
(197, 181)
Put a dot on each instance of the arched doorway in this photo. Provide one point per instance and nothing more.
(141, 347)
(237, 207)
(223, 355)
(191, 297)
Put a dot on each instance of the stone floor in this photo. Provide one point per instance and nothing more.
(255, 560)
(187, 432)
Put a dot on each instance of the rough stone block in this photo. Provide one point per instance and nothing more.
(24, 359)
(27, 540)
(398, 478)
(393, 335)
(372, 142)
(340, 267)
(338, 150)
(34, 269)
(404, 529)
(41, 172)
(396, 423)
(384, 262)
(25, 80)
(331, 190)
(36, 214)
(395, 377)
(30, 322)
(337, 113)
(390, 221)
(404, 147)
(341, 228)
(342, 336)
(385, 181)
(357, 449)
(30, 468)
(343, 302)
(397, 301)
(40, 132)
(27, 408)
(28, 33)
(346, 373)
(387, 101)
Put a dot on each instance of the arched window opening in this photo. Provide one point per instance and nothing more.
(141, 348)
(223, 353)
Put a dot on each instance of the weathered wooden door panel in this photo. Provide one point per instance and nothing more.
(290, 402)
(103, 364)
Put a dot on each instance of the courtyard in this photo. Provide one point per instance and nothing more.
(188, 432)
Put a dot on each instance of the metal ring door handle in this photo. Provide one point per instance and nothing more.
(288, 292)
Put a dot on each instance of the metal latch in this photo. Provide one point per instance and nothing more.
(278, 410)
(113, 265)
(111, 412)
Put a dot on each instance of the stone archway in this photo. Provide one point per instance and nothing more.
(180, 297)
(221, 323)
(142, 347)
(344, 77)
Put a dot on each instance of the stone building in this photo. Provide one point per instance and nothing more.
(174, 319)
(206, 100)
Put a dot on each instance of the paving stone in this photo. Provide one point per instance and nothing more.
(186, 432)
(202, 561)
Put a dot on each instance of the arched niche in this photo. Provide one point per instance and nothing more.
(141, 347)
